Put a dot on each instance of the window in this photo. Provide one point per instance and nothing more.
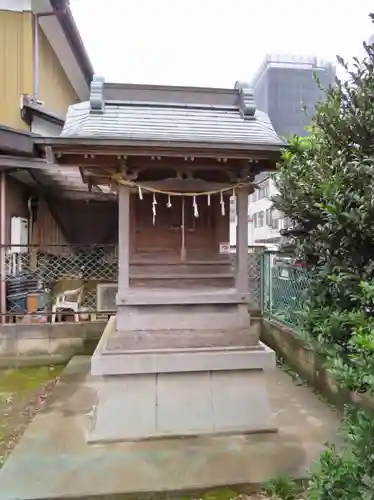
(263, 191)
(268, 217)
(260, 219)
(275, 224)
(254, 220)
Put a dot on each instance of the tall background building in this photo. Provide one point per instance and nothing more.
(283, 83)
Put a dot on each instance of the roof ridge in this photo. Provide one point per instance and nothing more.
(243, 100)
(158, 104)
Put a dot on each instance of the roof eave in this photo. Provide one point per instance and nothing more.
(63, 144)
(13, 141)
(30, 110)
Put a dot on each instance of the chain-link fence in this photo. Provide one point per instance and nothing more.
(285, 284)
(47, 279)
(254, 276)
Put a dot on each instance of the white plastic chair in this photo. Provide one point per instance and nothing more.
(65, 302)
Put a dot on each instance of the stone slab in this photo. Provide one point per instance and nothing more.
(187, 360)
(54, 461)
(241, 401)
(159, 405)
(124, 403)
(176, 414)
(182, 317)
(138, 340)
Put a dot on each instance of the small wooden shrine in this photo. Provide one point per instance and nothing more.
(175, 156)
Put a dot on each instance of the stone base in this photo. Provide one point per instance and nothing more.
(158, 392)
(174, 327)
(133, 407)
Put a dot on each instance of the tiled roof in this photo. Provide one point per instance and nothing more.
(237, 123)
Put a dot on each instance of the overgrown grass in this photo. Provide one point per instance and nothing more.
(21, 394)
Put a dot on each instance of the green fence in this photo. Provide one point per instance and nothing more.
(284, 288)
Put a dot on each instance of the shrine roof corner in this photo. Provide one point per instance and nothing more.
(170, 115)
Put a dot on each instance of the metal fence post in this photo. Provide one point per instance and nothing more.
(270, 285)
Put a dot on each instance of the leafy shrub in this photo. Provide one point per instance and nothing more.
(347, 474)
(326, 185)
(281, 488)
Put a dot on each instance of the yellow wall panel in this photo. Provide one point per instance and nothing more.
(16, 68)
(55, 89)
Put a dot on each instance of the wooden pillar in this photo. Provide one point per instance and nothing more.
(241, 281)
(123, 238)
(183, 231)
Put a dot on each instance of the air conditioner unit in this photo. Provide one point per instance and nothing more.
(106, 297)
(19, 235)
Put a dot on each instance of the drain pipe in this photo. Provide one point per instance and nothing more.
(3, 232)
(35, 90)
(36, 48)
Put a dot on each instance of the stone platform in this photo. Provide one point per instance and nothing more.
(53, 460)
(147, 379)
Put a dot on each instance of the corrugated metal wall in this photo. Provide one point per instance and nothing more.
(66, 222)
(45, 229)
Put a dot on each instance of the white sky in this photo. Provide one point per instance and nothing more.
(214, 42)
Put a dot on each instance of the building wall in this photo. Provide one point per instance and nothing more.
(15, 202)
(289, 90)
(16, 66)
(265, 222)
(45, 229)
(282, 89)
(17, 70)
(55, 89)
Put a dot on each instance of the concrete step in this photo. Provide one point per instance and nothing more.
(181, 269)
(181, 282)
(169, 275)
